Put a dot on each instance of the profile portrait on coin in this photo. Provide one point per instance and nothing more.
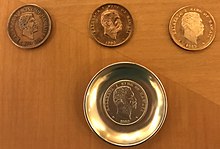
(111, 22)
(125, 101)
(28, 25)
(192, 26)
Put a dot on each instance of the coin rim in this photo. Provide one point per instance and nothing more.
(45, 38)
(185, 48)
(123, 124)
(116, 45)
(143, 140)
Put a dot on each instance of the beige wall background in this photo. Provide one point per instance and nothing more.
(41, 90)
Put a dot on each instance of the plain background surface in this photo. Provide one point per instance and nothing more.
(41, 90)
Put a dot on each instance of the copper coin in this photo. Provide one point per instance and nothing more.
(192, 28)
(125, 102)
(29, 26)
(111, 25)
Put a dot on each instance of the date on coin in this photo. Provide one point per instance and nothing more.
(125, 102)
(192, 28)
(111, 25)
(29, 26)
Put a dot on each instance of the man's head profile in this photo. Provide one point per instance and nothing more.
(123, 98)
(192, 25)
(111, 22)
(28, 25)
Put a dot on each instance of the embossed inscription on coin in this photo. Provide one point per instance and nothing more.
(125, 102)
(192, 28)
(29, 26)
(111, 25)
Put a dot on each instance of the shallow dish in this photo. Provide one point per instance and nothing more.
(125, 104)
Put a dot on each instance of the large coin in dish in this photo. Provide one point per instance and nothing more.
(125, 104)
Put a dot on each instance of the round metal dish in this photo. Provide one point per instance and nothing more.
(125, 104)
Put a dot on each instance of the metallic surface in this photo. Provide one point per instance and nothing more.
(110, 79)
(111, 25)
(192, 28)
(29, 26)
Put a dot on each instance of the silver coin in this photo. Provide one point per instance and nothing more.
(125, 102)
(29, 26)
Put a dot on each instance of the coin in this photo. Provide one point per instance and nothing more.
(192, 28)
(125, 102)
(111, 25)
(29, 26)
